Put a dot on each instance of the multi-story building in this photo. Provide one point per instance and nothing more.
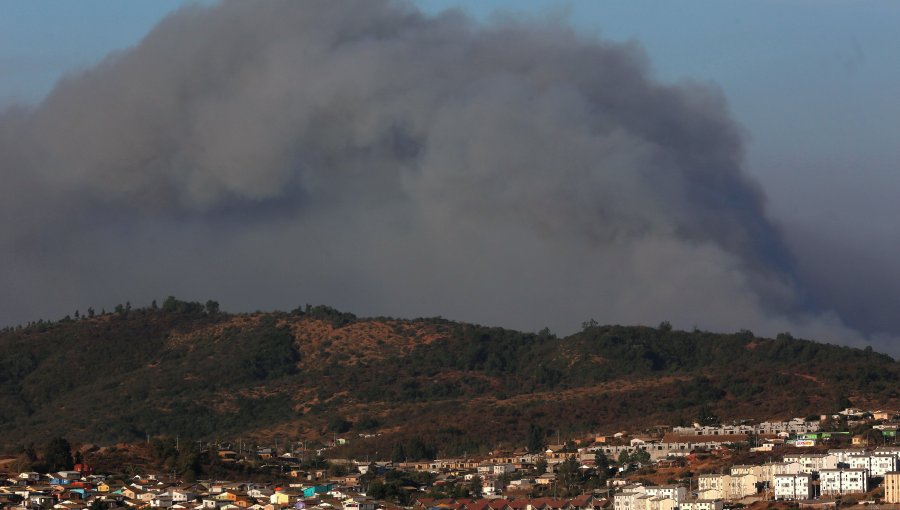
(793, 486)
(813, 462)
(842, 455)
(702, 504)
(892, 487)
(714, 486)
(843, 481)
(746, 469)
(727, 487)
(675, 492)
(742, 486)
(626, 498)
(653, 497)
(877, 463)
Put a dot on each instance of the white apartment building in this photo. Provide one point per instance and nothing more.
(654, 497)
(720, 430)
(702, 504)
(771, 469)
(727, 487)
(675, 492)
(742, 486)
(661, 503)
(813, 462)
(746, 469)
(842, 455)
(793, 486)
(878, 463)
(794, 426)
(843, 481)
(626, 499)
(714, 486)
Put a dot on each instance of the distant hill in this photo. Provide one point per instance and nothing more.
(189, 370)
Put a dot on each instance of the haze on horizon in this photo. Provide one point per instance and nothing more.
(390, 161)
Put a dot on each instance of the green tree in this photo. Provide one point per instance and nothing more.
(540, 467)
(338, 424)
(398, 454)
(569, 475)
(58, 455)
(474, 487)
(30, 453)
(642, 456)
(535, 441)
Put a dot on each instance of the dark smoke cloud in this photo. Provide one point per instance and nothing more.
(364, 155)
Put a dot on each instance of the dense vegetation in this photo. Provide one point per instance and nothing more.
(191, 370)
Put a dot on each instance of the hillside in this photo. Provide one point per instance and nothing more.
(188, 370)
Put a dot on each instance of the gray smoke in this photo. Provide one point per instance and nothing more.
(364, 155)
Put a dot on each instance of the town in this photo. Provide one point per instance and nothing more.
(815, 462)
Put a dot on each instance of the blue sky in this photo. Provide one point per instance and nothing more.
(815, 84)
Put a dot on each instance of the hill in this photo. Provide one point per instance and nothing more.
(190, 370)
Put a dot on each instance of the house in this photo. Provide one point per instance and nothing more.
(161, 501)
(546, 479)
(61, 479)
(227, 455)
(280, 498)
(181, 495)
(358, 504)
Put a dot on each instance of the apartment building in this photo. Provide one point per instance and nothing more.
(793, 486)
(892, 487)
(834, 482)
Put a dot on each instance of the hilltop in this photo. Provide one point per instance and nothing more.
(193, 371)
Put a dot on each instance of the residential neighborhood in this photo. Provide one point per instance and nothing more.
(618, 471)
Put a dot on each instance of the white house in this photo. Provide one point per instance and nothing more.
(358, 504)
(500, 469)
(180, 496)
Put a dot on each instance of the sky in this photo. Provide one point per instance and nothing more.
(721, 165)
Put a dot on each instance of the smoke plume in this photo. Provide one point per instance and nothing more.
(365, 155)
